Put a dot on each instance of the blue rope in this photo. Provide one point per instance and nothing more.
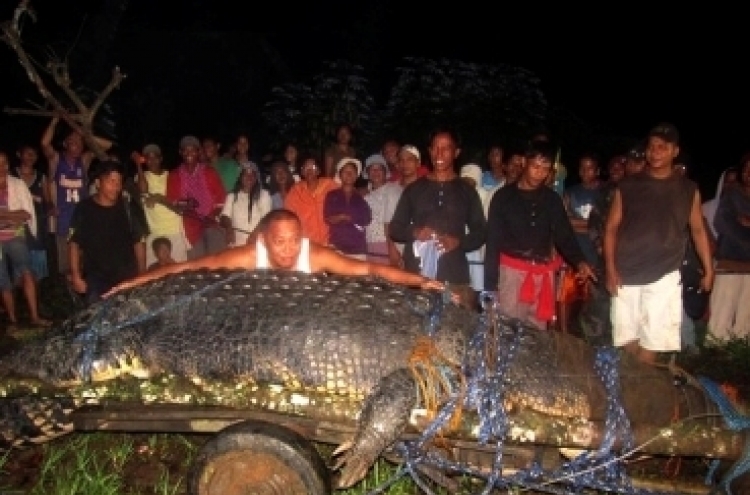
(735, 421)
(485, 391)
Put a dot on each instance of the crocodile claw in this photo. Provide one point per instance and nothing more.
(352, 469)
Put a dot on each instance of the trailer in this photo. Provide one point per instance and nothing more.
(259, 451)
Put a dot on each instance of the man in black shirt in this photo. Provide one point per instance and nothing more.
(527, 224)
(107, 236)
(443, 212)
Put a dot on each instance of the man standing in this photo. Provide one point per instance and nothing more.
(68, 183)
(527, 223)
(107, 240)
(162, 221)
(644, 245)
(200, 184)
(440, 218)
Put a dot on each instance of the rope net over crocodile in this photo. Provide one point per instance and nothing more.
(336, 349)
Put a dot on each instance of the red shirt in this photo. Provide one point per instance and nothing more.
(205, 186)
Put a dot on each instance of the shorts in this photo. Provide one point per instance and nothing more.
(649, 314)
(15, 261)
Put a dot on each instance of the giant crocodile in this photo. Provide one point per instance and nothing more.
(226, 336)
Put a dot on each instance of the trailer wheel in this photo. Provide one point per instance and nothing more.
(254, 457)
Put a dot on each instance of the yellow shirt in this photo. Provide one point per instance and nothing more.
(161, 220)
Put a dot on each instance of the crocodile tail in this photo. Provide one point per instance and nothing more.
(31, 420)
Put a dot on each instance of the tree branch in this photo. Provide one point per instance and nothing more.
(61, 76)
(114, 83)
(30, 112)
(82, 120)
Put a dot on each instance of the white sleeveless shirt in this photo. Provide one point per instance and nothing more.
(303, 260)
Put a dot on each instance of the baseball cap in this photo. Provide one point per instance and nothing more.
(637, 152)
(667, 132)
(189, 141)
(412, 150)
(150, 149)
(376, 159)
(344, 161)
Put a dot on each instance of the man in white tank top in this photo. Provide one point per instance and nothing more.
(278, 244)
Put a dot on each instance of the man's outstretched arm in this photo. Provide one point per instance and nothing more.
(324, 259)
(238, 257)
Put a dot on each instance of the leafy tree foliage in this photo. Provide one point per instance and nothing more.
(309, 113)
(485, 103)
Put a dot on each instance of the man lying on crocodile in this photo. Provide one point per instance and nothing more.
(279, 245)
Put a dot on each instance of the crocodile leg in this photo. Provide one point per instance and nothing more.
(384, 417)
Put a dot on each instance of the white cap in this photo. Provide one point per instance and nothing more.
(412, 150)
(343, 162)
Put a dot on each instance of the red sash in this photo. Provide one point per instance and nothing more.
(545, 309)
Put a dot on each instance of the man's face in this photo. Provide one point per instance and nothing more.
(28, 156)
(495, 159)
(73, 145)
(407, 164)
(588, 170)
(210, 149)
(390, 153)
(243, 145)
(190, 154)
(443, 152)
(617, 169)
(309, 170)
(110, 186)
(283, 241)
(634, 166)
(536, 172)
(661, 153)
(514, 168)
(153, 161)
(344, 135)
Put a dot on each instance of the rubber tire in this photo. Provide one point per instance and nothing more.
(248, 450)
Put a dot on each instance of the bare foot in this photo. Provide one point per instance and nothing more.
(41, 322)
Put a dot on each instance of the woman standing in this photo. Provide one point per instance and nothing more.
(376, 171)
(36, 181)
(280, 181)
(306, 200)
(244, 206)
(347, 213)
(339, 150)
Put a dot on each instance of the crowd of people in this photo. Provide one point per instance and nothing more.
(506, 230)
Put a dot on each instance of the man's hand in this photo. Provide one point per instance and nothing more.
(447, 243)
(340, 218)
(396, 260)
(585, 272)
(613, 281)
(424, 233)
(79, 285)
(231, 238)
(430, 284)
(707, 281)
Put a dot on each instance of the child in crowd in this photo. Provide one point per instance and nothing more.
(162, 248)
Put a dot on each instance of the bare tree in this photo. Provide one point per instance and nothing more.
(53, 82)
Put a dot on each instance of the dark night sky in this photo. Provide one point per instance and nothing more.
(620, 67)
